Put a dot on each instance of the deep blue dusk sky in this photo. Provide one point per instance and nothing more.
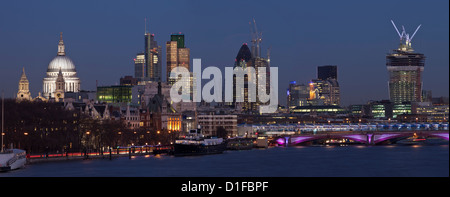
(103, 37)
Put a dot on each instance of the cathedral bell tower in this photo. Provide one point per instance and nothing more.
(24, 90)
(60, 87)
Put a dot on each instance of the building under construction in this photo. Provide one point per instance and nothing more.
(251, 58)
(405, 69)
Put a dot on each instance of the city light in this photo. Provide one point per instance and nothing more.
(148, 104)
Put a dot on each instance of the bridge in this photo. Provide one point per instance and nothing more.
(369, 138)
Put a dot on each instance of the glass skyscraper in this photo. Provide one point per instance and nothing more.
(152, 58)
(139, 66)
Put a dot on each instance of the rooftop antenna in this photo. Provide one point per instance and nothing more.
(145, 25)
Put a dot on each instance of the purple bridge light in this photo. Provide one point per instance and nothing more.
(442, 135)
(367, 138)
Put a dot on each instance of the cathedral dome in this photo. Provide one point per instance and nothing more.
(60, 70)
(61, 62)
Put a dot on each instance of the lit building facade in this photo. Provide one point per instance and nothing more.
(328, 90)
(400, 109)
(114, 94)
(297, 95)
(319, 109)
(139, 66)
(211, 122)
(177, 55)
(405, 69)
(434, 113)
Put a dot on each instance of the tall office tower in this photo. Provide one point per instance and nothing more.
(405, 69)
(297, 95)
(152, 55)
(327, 72)
(244, 60)
(139, 67)
(176, 54)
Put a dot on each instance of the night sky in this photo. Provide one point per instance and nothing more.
(103, 37)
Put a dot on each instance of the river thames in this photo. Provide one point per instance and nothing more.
(300, 161)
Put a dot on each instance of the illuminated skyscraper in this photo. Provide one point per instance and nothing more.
(176, 54)
(152, 55)
(140, 66)
(405, 69)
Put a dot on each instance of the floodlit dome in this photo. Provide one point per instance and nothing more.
(63, 65)
(61, 62)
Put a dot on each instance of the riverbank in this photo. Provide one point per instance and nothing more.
(42, 158)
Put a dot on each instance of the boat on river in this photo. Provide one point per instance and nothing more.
(195, 143)
(12, 159)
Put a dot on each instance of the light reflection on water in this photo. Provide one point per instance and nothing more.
(298, 161)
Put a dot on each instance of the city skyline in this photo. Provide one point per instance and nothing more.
(104, 52)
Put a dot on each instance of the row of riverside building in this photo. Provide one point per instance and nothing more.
(143, 101)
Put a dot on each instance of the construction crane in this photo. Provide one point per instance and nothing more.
(405, 35)
(256, 39)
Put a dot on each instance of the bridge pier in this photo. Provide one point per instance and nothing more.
(286, 141)
(370, 137)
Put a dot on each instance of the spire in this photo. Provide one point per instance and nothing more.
(60, 76)
(24, 90)
(61, 51)
(23, 78)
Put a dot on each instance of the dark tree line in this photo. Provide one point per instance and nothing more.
(41, 127)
